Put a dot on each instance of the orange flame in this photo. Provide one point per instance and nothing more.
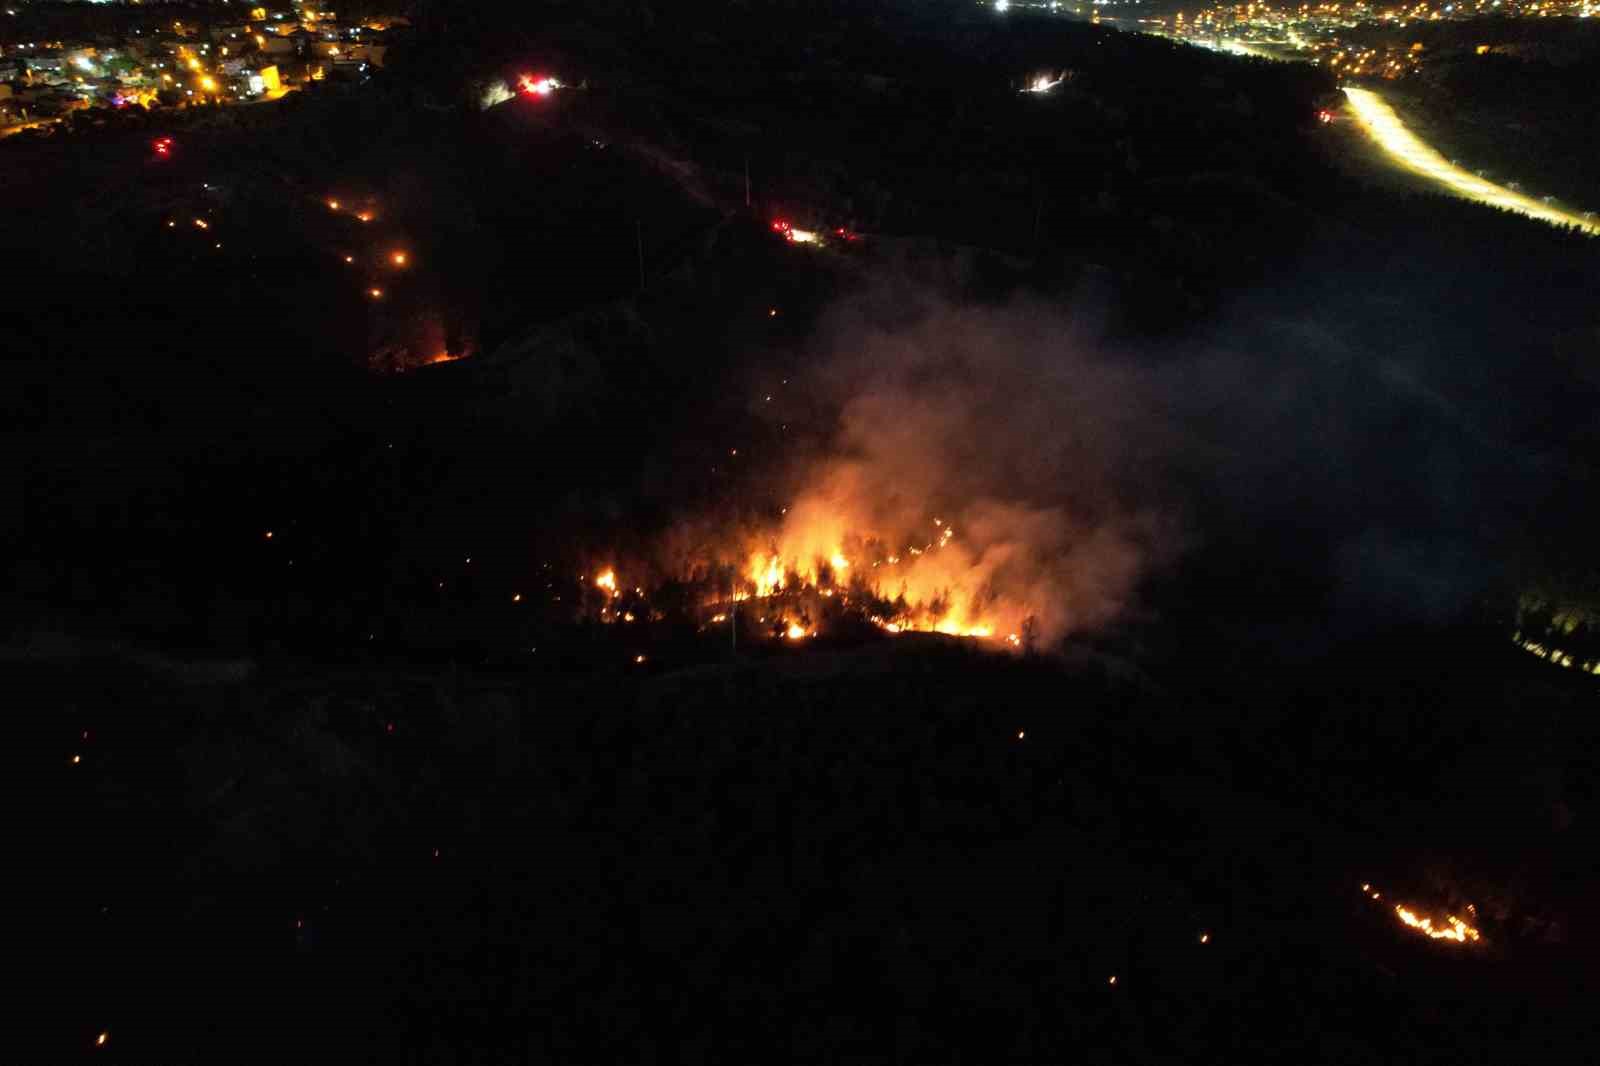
(1456, 930)
(937, 586)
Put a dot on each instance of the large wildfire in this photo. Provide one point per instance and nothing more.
(828, 556)
(969, 480)
(936, 586)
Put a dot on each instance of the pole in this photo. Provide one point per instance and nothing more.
(747, 180)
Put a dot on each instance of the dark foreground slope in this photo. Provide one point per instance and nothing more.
(914, 853)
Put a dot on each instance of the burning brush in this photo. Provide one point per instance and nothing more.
(1448, 928)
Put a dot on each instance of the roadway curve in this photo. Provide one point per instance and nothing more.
(1380, 123)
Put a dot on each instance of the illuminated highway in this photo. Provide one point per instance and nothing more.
(1384, 126)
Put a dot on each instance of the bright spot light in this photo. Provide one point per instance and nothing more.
(796, 631)
(398, 259)
(333, 205)
(607, 581)
(376, 294)
(537, 86)
(1113, 980)
(100, 1041)
(76, 759)
(365, 216)
(1205, 938)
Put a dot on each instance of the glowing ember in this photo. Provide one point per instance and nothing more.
(607, 581)
(795, 631)
(1456, 930)
(100, 1041)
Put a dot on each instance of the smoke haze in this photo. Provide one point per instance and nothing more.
(1271, 469)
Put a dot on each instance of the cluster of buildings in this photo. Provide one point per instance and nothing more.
(239, 56)
(1318, 32)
